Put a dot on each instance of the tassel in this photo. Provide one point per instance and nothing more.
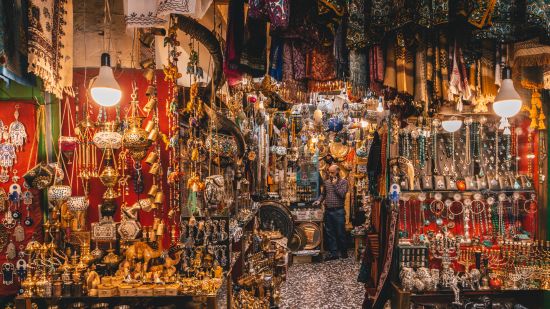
(542, 123)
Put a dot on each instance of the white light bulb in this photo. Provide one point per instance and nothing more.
(507, 102)
(364, 123)
(105, 91)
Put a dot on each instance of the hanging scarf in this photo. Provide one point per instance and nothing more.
(50, 44)
(329, 16)
(276, 58)
(358, 69)
(376, 67)
(458, 84)
(234, 41)
(420, 82)
(13, 55)
(277, 12)
(294, 61)
(143, 14)
(320, 65)
(440, 75)
(341, 54)
(404, 66)
(480, 12)
(390, 73)
(356, 34)
(503, 21)
(253, 59)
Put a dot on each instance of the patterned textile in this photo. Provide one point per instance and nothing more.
(50, 44)
(329, 16)
(480, 12)
(155, 13)
(376, 63)
(358, 69)
(320, 64)
(431, 13)
(194, 8)
(458, 84)
(380, 13)
(420, 86)
(390, 73)
(538, 15)
(276, 11)
(503, 22)
(404, 60)
(254, 56)
(294, 61)
(276, 58)
(341, 54)
(13, 42)
(143, 13)
(234, 41)
(356, 32)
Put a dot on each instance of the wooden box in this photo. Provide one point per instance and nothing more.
(107, 292)
(145, 291)
(159, 291)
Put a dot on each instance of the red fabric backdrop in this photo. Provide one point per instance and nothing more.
(25, 159)
(125, 79)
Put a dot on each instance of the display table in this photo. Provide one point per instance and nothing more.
(532, 299)
(132, 301)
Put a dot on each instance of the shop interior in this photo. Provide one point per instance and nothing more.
(255, 154)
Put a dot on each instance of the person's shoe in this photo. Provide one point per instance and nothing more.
(344, 255)
(330, 257)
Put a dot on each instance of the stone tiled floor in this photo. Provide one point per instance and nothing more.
(327, 285)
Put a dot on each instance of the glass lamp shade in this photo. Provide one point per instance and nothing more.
(105, 90)
(451, 125)
(507, 102)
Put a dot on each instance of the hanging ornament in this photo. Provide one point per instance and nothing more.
(17, 132)
(7, 273)
(7, 159)
(21, 267)
(19, 233)
(10, 251)
(3, 200)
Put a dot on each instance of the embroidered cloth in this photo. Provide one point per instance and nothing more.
(50, 44)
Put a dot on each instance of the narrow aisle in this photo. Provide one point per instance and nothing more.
(327, 285)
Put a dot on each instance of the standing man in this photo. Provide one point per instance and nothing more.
(334, 196)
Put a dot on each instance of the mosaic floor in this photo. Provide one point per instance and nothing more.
(330, 285)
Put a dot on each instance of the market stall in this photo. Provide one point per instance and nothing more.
(191, 153)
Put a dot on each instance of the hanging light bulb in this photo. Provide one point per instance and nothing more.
(105, 89)
(507, 102)
(451, 125)
(380, 107)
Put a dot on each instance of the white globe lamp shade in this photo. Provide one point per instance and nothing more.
(507, 102)
(451, 125)
(105, 91)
